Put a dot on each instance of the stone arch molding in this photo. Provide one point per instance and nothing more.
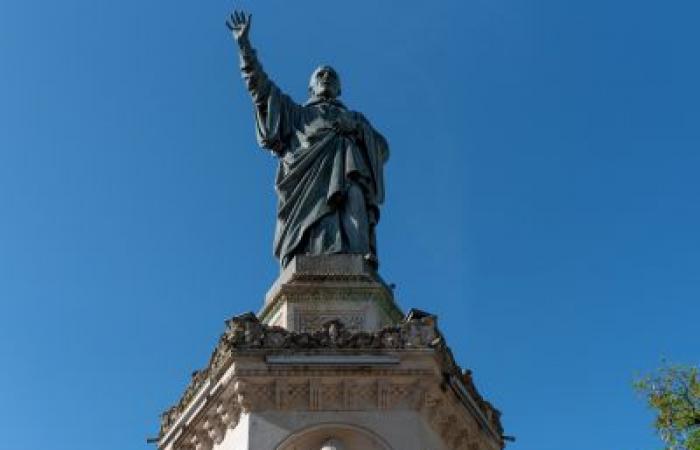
(352, 437)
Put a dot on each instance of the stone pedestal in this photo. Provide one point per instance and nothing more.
(330, 364)
(313, 290)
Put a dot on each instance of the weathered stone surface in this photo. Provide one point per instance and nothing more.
(413, 378)
(314, 290)
(346, 265)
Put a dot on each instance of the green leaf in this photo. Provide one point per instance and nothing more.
(673, 392)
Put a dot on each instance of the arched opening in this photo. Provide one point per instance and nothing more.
(346, 437)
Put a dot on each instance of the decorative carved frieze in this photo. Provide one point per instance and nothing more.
(214, 428)
(443, 413)
(308, 321)
(199, 440)
(332, 388)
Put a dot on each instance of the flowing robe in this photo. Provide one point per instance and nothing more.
(329, 184)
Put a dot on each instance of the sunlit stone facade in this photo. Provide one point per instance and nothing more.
(331, 363)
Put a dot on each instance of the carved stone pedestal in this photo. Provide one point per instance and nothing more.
(363, 379)
(313, 290)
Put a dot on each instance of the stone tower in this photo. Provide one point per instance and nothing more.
(330, 362)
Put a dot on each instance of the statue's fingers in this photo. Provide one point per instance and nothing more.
(250, 18)
(229, 25)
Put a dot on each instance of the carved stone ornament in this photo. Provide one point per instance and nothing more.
(295, 389)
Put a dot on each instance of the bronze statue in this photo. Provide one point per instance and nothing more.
(330, 176)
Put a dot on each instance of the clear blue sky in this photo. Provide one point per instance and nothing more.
(542, 199)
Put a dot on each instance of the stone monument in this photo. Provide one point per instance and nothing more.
(330, 362)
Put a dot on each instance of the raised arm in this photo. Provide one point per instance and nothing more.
(258, 83)
(275, 112)
(255, 78)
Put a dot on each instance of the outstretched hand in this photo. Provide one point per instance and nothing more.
(239, 24)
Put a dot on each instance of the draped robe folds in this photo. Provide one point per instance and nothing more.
(329, 184)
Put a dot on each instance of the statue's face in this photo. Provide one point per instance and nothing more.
(332, 444)
(325, 83)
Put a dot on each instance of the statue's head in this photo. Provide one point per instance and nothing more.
(324, 83)
(332, 444)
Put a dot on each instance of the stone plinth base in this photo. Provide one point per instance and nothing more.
(313, 290)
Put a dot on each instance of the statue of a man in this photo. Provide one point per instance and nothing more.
(330, 177)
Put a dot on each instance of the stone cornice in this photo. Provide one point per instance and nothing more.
(239, 361)
(215, 411)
